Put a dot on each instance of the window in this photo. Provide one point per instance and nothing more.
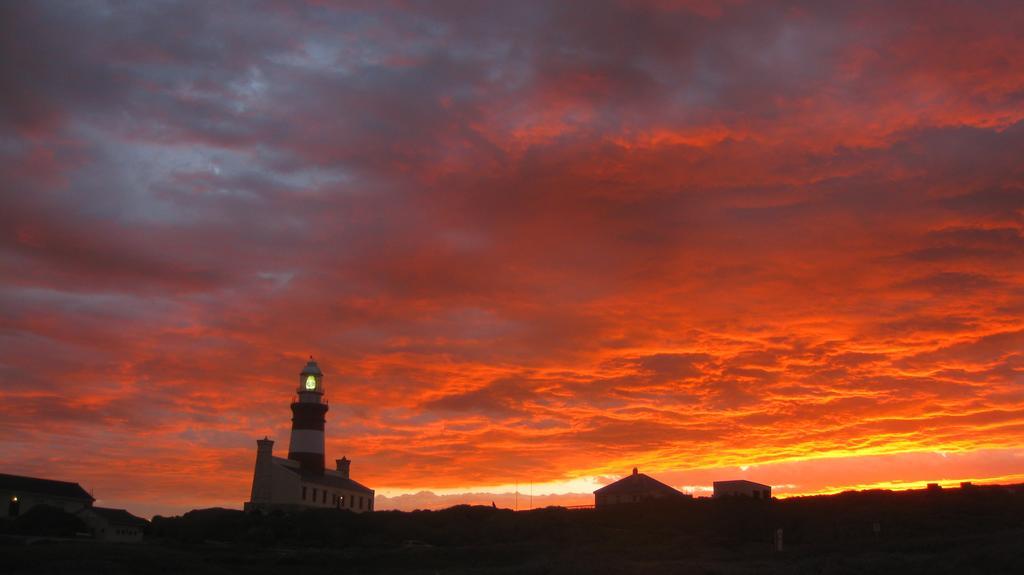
(324, 500)
(360, 501)
(352, 501)
(303, 492)
(314, 495)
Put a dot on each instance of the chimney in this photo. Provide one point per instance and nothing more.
(264, 444)
(264, 454)
(635, 471)
(343, 466)
(264, 448)
(262, 478)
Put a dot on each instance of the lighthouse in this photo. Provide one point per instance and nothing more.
(308, 416)
(301, 481)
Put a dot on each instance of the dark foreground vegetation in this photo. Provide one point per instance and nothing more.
(977, 530)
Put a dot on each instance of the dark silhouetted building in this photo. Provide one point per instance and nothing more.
(22, 493)
(113, 524)
(742, 488)
(634, 489)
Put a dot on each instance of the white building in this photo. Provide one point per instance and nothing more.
(742, 488)
(113, 524)
(22, 493)
(301, 480)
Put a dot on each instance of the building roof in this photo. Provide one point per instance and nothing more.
(49, 487)
(285, 462)
(328, 479)
(335, 481)
(636, 483)
(739, 483)
(117, 517)
(311, 368)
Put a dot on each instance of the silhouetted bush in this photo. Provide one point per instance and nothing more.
(954, 531)
(726, 523)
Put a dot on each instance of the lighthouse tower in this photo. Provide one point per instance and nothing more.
(300, 481)
(308, 416)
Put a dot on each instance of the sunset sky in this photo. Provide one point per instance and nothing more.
(527, 242)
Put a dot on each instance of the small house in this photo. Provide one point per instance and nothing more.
(20, 493)
(741, 488)
(634, 489)
(113, 524)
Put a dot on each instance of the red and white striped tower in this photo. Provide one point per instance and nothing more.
(308, 417)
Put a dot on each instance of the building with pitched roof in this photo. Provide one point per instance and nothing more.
(23, 493)
(302, 480)
(634, 489)
(113, 524)
(741, 488)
